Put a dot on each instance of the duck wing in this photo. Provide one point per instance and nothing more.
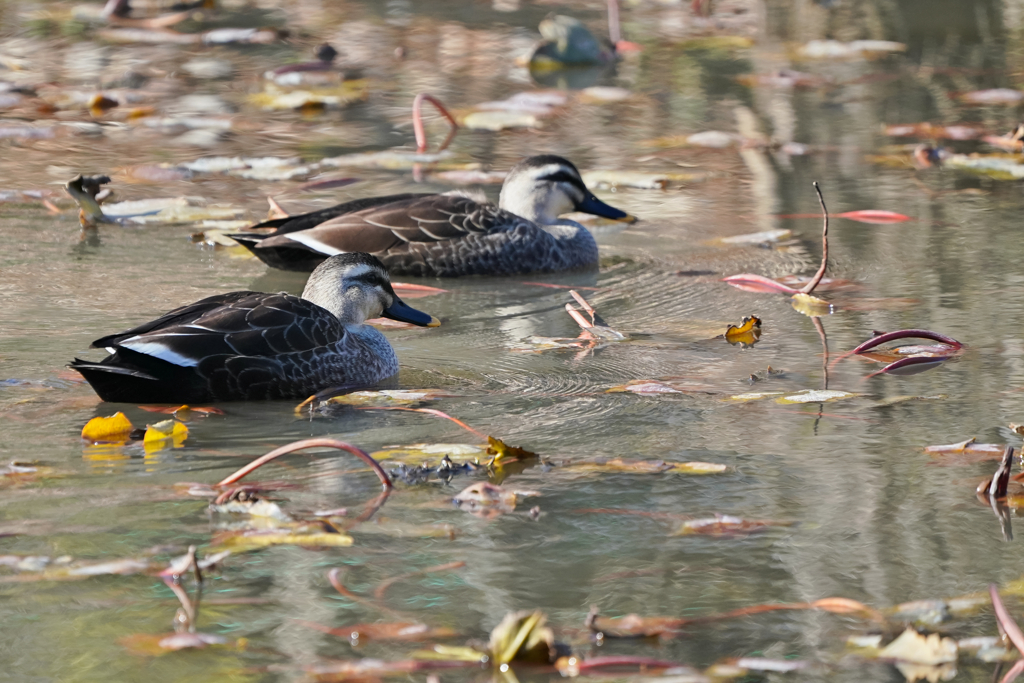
(417, 219)
(235, 324)
(305, 221)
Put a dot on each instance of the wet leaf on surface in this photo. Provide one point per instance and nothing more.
(113, 429)
(387, 397)
(811, 305)
(992, 96)
(915, 648)
(648, 387)
(488, 500)
(152, 645)
(763, 237)
(833, 49)
(254, 540)
(503, 453)
(417, 453)
(165, 434)
(816, 396)
(724, 526)
(754, 396)
(746, 334)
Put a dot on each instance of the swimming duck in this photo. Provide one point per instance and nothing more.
(448, 235)
(258, 346)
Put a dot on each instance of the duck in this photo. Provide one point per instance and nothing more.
(451, 234)
(260, 346)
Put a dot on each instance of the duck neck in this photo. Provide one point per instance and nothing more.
(348, 305)
(540, 205)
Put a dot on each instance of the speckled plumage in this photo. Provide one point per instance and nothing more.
(450, 235)
(256, 346)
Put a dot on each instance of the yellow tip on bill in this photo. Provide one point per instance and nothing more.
(434, 322)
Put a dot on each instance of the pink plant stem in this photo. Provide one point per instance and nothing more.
(1016, 670)
(622, 660)
(1004, 619)
(417, 122)
(761, 280)
(580, 320)
(809, 287)
(905, 362)
(310, 443)
(907, 334)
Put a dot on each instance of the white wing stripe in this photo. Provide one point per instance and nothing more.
(161, 351)
(313, 243)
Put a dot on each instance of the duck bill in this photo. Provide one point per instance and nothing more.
(402, 312)
(593, 205)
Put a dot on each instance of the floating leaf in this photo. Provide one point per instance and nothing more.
(754, 396)
(746, 334)
(916, 648)
(276, 98)
(452, 653)
(833, 49)
(643, 386)
(499, 120)
(252, 540)
(763, 237)
(997, 167)
(486, 498)
(619, 465)
(113, 429)
(811, 305)
(724, 525)
(934, 132)
(152, 645)
(163, 434)
(504, 453)
(816, 396)
(387, 397)
(992, 96)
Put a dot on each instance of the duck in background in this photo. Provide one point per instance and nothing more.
(449, 235)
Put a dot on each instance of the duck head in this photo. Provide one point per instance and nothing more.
(356, 287)
(541, 188)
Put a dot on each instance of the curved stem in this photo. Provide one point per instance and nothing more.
(417, 122)
(428, 411)
(311, 443)
(761, 281)
(809, 287)
(905, 362)
(907, 334)
(1005, 621)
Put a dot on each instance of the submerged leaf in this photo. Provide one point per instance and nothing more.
(387, 397)
(811, 305)
(113, 429)
(646, 467)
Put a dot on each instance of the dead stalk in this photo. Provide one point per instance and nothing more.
(417, 122)
(809, 287)
(614, 32)
(310, 443)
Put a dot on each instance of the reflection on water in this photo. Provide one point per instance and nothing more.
(872, 517)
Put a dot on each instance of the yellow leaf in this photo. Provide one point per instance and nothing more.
(163, 434)
(113, 429)
(746, 334)
(451, 652)
(811, 305)
(242, 543)
(502, 452)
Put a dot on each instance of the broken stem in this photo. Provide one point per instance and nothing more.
(417, 122)
(614, 32)
(809, 287)
(310, 443)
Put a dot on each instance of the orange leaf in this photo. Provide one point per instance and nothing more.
(113, 429)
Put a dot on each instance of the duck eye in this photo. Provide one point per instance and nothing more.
(561, 177)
